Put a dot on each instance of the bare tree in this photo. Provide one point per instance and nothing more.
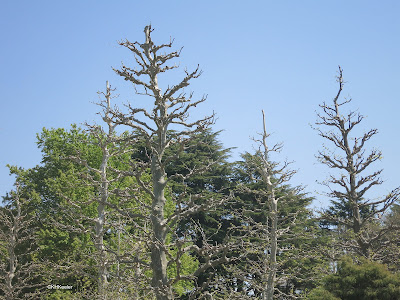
(166, 124)
(264, 235)
(273, 176)
(349, 157)
(19, 273)
(105, 182)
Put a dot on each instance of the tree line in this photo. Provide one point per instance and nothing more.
(147, 205)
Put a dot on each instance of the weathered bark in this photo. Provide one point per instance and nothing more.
(101, 216)
(158, 254)
(171, 107)
(270, 263)
(267, 171)
(105, 140)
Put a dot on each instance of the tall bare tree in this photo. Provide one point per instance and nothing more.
(104, 180)
(167, 123)
(267, 228)
(360, 216)
(273, 176)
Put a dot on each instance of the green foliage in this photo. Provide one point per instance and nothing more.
(321, 294)
(60, 295)
(299, 262)
(59, 178)
(52, 182)
(188, 266)
(366, 280)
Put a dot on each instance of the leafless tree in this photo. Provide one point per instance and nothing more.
(273, 176)
(19, 272)
(351, 185)
(263, 238)
(166, 124)
(105, 182)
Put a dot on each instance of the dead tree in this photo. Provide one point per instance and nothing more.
(104, 182)
(349, 157)
(273, 177)
(19, 273)
(165, 124)
(267, 225)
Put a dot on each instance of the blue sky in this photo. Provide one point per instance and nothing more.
(280, 56)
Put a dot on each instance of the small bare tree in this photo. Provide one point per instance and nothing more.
(19, 272)
(170, 111)
(362, 219)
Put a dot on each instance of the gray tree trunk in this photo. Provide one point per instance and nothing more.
(99, 228)
(12, 258)
(270, 265)
(158, 255)
(171, 107)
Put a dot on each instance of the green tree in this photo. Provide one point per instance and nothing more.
(66, 250)
(391, 223)
(365, 280)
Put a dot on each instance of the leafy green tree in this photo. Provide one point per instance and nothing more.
(58, 183)
(321, 294)
(365, 280)
(66, 250)
(67, 212)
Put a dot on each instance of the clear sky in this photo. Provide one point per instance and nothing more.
(280, 56)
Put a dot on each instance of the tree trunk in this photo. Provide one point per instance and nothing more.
(13, 266)
(271, 265)
(101, 252)
(13, 261)
(271, 278)
(158, 255)
(101, 217)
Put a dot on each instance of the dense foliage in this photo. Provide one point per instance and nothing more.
(365, 280)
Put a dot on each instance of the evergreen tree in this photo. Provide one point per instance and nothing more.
(365, 280)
